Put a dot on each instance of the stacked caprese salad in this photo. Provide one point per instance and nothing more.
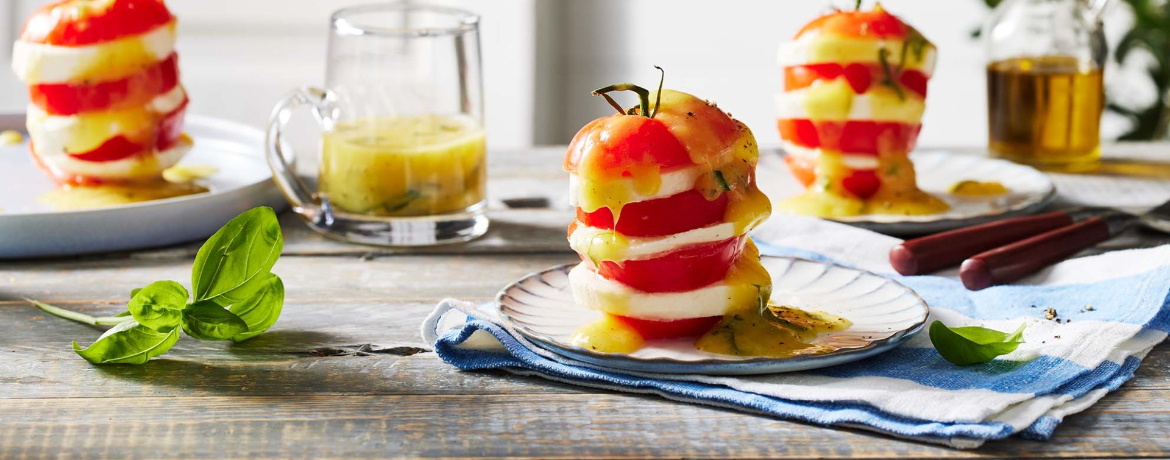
(103, 79)
(854, 94)
(665, 195)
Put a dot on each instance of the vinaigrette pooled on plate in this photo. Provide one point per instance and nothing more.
(665, 196)
(854, 94)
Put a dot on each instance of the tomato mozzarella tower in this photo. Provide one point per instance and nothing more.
(854, 94)
(665, 195)
(103, 79)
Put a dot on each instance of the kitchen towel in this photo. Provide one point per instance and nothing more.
(1110, 310)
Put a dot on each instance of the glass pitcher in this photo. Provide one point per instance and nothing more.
(1045, 63)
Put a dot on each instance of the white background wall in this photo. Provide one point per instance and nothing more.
(542, 57)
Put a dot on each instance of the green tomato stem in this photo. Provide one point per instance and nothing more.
(643, 95)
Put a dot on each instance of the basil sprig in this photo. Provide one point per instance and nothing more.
(235, 297)
(973, 344)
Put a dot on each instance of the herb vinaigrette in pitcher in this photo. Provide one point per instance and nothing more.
(404, 166)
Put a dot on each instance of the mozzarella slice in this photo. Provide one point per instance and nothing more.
(138, 167)
(591, 241)
(38, 63)
(87, 131)
(852, 161)
(673, 183)
(876, 104)
(595, 292)
(819, 48)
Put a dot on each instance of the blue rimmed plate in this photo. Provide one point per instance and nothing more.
(884, 313)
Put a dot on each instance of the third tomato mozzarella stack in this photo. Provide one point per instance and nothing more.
(854, 94)
(103, 78)
(664, 202)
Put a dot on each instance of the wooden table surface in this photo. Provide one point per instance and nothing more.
(306, 389)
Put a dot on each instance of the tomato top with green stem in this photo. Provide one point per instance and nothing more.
(87, 22)
(875, 23)
(669, 130)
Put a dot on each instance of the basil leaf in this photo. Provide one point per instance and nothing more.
(159, 305)
(972, 344)
(128, 343)
(229, 266)
(134, 292)
(207, 320)
(262, 310)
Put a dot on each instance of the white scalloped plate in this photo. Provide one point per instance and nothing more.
(1029, 191)
(30, 228)
(884, 313)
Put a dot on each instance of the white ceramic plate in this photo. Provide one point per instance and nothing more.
(1029, 191)
(884, 313)
(30, 228)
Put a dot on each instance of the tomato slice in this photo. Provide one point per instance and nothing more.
(685, 269)
(113, 149)
(166, 134)
(665, 330)
(85, 22)
(854, 136)
(138, 89)
(862, 183)
(659, 217)
(170, 128)
(621, 145)
(802, 168)
(860, 76)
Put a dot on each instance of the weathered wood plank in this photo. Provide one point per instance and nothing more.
(521, 426)
(40, 363)
(326, 279)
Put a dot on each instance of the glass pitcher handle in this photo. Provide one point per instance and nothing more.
(282, 160)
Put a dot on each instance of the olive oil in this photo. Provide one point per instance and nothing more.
(1045, 111)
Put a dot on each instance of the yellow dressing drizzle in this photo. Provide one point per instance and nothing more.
(784, 333)
(899, 193)
(608, 335)
(976, 188)
(832, 100)
(97, 196)
(748, 210)
(605, 246)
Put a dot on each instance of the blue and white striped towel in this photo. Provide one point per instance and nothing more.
(909, 392)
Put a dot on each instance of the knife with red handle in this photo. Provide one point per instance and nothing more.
(1017, 260)
(931, 253)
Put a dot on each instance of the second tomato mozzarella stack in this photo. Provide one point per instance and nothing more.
(106, 102)
(854, 94)
(664, 204)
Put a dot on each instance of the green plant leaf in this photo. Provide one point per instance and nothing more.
(230, 265)
(262, 310)
(972, 344)
(128, 343)
(159, 305)
(208, 320)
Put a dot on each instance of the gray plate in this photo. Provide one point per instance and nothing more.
(30, 228)
(884, 313)
(1029, 191)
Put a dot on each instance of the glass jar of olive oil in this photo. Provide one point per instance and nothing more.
(1044, 82)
